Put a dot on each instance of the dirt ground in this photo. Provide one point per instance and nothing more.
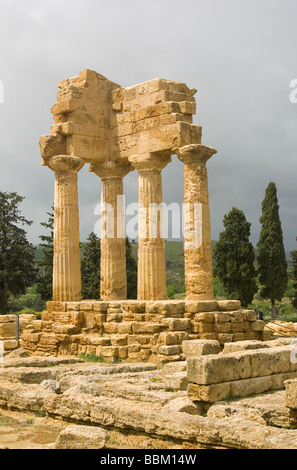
(27, 431)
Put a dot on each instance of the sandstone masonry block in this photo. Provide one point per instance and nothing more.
(200, 347)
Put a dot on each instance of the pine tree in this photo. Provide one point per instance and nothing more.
(294, 275)
(17, 267)
(131, 270)
(234, 258)
(90, 268)
(272, 264)
(45, 276)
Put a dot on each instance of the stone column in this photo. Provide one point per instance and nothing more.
(151, 277)
(66, 262)
(197, 234)
(113, 283)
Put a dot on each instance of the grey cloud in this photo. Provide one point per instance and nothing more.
(239, 55)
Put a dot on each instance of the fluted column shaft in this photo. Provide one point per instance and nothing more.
(113, 283)
(66, 262)
(197, 230)
(151, 276)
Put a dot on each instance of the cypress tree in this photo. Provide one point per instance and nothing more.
(131, 270)
(234, 258)
(90, 268)
(45, 276)
(272, 264)
(294, 275)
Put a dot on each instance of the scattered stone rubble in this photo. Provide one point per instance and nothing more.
(158, 400)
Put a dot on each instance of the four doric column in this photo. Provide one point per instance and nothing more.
(151, 277)
(113, 284)
(151, 241)
(197, 234)
(66, 262)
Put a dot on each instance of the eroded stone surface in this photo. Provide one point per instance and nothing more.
(134, 398)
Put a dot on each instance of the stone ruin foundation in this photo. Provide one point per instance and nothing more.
(116, 130)
(189, 368)
(138, 330)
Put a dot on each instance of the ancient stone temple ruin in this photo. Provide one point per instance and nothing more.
(116, 130)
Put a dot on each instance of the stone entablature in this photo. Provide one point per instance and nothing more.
(138, 330)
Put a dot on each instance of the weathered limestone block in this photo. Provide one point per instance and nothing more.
(54, 306)
(224, 337)
(77, 436)
(205, 317)
(7, 318)
(146, 328)
(257, 325)
(271, 361)
(243, 346)
(291, 399)
(169, 350)
(200, 347)
(182, 405)
(238, 336)
(177, 324)
(176, 381)
(208, 393)
(173, 367)
(217, 368)
(10, 344)
(7, 330)
(168, 338)
(65, 329)
(194, 306)
(229, 305)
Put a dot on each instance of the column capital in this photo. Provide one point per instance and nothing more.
(195, 153)
(111, 169)
(149, 161)
(63, 163)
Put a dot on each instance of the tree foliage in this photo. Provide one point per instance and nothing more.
(90, 268)
(45, 275)
(17, 270)
(234, 258)
(272, 264)
(294, 276)
(131, 270)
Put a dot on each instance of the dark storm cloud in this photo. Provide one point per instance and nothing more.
(239, 56)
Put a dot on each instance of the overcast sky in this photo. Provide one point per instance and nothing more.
(239, 54)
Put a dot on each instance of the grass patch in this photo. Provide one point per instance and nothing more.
(91, 357)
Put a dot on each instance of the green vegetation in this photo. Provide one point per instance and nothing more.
(272, 264)
(17, 270)
(91, 357)
(131, 271)
(44, 257)
(234, 258)
(292, 284)
(90, 268)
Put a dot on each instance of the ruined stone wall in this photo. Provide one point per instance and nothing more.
(138, 330)
(8, 329)
(240, 373)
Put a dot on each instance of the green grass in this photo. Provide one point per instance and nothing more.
(91, 357)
